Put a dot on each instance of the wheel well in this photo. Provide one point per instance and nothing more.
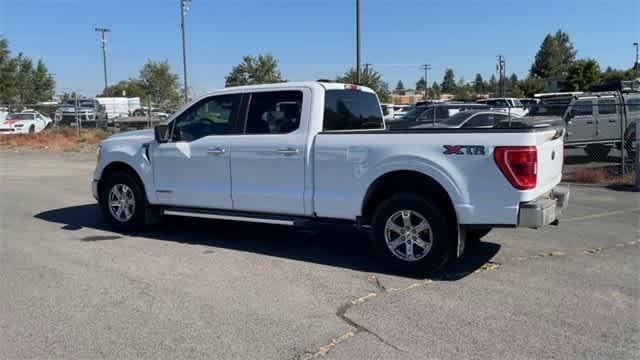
(406, 182)
(115, 167)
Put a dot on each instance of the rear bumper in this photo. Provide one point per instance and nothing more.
(544, 210)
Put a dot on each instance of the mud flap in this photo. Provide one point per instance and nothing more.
(461, 241)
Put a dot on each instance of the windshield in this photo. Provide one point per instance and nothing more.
(413, 114)
(86, 103)
(21, 116)
(457, 119)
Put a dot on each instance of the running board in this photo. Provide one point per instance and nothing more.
(205, 215)
(261, 218)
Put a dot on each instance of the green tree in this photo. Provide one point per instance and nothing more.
(43, 83)
(582, 75)
(448, 82)
(369, 78)
(262, 69)
(421, 85)
(614, 76)
(492, 86)
(20, 82)
(554, 57)
(160, 84)
(128, 88)
(400, 88)
(434, 91)
(478, 84)
(531, 86)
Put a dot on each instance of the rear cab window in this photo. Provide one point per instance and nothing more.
(351, 110)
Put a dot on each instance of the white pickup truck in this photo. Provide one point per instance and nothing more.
(305, 153)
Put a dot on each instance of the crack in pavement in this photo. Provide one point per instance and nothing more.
(323, 350)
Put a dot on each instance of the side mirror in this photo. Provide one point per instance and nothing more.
(161, 133)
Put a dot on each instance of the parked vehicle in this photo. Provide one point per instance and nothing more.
(303, 153)
(510, 105)
(597, 120)
(433, 113)
(477, 119)
(4, 111)
(391, 111)
(89, 113)
(26, 122)
(119, 106)
(529, 103)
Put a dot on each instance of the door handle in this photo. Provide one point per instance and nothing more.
(589, 122)
(216, 151)
(287, 151)
(613, 120)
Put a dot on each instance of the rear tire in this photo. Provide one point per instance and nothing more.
(410, 234)
(123, 202)
(598, 152)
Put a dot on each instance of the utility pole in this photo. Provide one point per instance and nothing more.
(636, 65)
(501, 67)
(183, 11)
(104, 54)
(358, 42)
(426, 68)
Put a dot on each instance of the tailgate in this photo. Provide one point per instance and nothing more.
(550, 145)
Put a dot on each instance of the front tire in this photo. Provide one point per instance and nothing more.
(32, 129)
(410, 234)
(123, 202)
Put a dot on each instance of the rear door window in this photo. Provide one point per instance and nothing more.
(274, 112)
(583, 107)
(351, 110)
(607, 106)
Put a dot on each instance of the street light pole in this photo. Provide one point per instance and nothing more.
(358, 41)
(104, 54)
(183, 10)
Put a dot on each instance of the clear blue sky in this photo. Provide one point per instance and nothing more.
(312, 38)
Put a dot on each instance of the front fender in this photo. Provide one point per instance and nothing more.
(135, 157)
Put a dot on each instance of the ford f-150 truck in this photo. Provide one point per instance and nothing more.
(307, 153)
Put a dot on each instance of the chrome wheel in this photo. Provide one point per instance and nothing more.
(408, 235)
(122, 202)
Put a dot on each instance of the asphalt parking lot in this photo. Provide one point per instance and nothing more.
(71, 288)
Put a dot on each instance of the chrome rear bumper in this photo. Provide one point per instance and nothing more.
(545, 210)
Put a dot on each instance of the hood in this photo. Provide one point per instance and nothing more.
(142, 135)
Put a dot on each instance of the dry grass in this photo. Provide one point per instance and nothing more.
(55, 139)
(601, 176)
(590, 176)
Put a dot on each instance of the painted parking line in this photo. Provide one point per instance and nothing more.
(604, 214)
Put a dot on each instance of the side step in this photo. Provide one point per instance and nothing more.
(261, 218)
(219, 216)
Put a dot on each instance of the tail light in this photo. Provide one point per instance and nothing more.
(519, 164)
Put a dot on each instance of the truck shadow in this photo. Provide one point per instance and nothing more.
(341, 247)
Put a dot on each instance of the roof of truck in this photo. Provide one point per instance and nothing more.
(326, 85)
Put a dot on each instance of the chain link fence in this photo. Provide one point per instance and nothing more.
(600, 140)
